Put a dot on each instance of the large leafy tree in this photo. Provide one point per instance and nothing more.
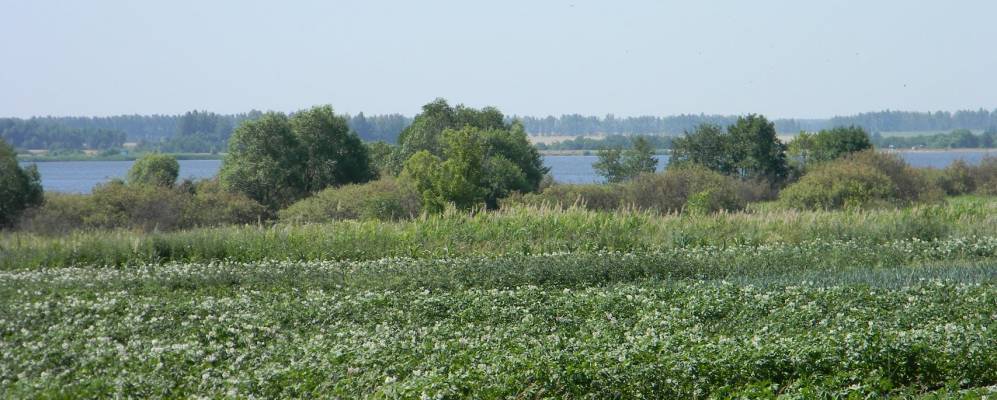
(760, 154)
(20, 188)
(426, 130)
(708, 146)
(331, 153)
(749, 149)
(827, 145)
(617, 165)
(476, 166)
(276, 160)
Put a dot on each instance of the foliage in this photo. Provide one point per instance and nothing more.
(380, 157)
(332, 154)
(36, 133)
(617, 165)
(154, 169)
(827, 145)
(20, 188)
(213, 205)
(276, 160)
(693, 188)
(426, 131)
(142, 208)
(474, 166)
(860, 179)
(844, 184)
(384, 199)
(748, 149)
(956, 139)
(758, 152)
(513, 229)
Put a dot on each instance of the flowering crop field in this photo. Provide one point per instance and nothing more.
(846, 311)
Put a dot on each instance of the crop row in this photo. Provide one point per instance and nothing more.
(652, 339)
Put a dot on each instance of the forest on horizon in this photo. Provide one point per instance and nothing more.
(208, 132)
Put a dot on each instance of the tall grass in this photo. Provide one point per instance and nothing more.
(517, 230)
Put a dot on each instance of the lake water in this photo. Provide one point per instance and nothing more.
(82, 176)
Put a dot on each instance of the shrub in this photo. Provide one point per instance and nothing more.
(154, 169)
(911, 184)
(144, 207)
(213, 205)
(384, 199)
(840, 184)
(861, 179)
(985, 176)
(696, 188)
(955, 179)
(60, 213)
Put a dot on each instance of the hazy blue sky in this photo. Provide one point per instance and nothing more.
(780, 58)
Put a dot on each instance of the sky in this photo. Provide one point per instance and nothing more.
(802, 59)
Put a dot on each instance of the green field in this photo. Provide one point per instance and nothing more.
(520, 303)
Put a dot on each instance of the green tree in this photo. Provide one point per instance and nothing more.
(757, 149)
(154, 169)
(610, 165)
(477, 166)
(426, 130)
(265, 162)
(276, 160)
(709, 146)
(618, 165)
(639, 159)
(20, 188)
(332, 155)
(827, 145)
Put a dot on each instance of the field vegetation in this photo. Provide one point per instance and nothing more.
(448, 266)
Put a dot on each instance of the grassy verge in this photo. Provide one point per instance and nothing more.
(514, 231)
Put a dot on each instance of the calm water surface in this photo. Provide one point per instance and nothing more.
(82, 176)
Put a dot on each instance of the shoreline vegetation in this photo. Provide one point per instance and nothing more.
(549, 153)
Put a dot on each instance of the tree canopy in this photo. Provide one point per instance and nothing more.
(276, 160)
(618, 165)
(748, 149)
(467, 157)
(827, 145)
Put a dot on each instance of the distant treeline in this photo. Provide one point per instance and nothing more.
(957, 139)
(201, 131)
(192, 132)
(611, 141)
(882, 121)
(36, 134)
(580, 125)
